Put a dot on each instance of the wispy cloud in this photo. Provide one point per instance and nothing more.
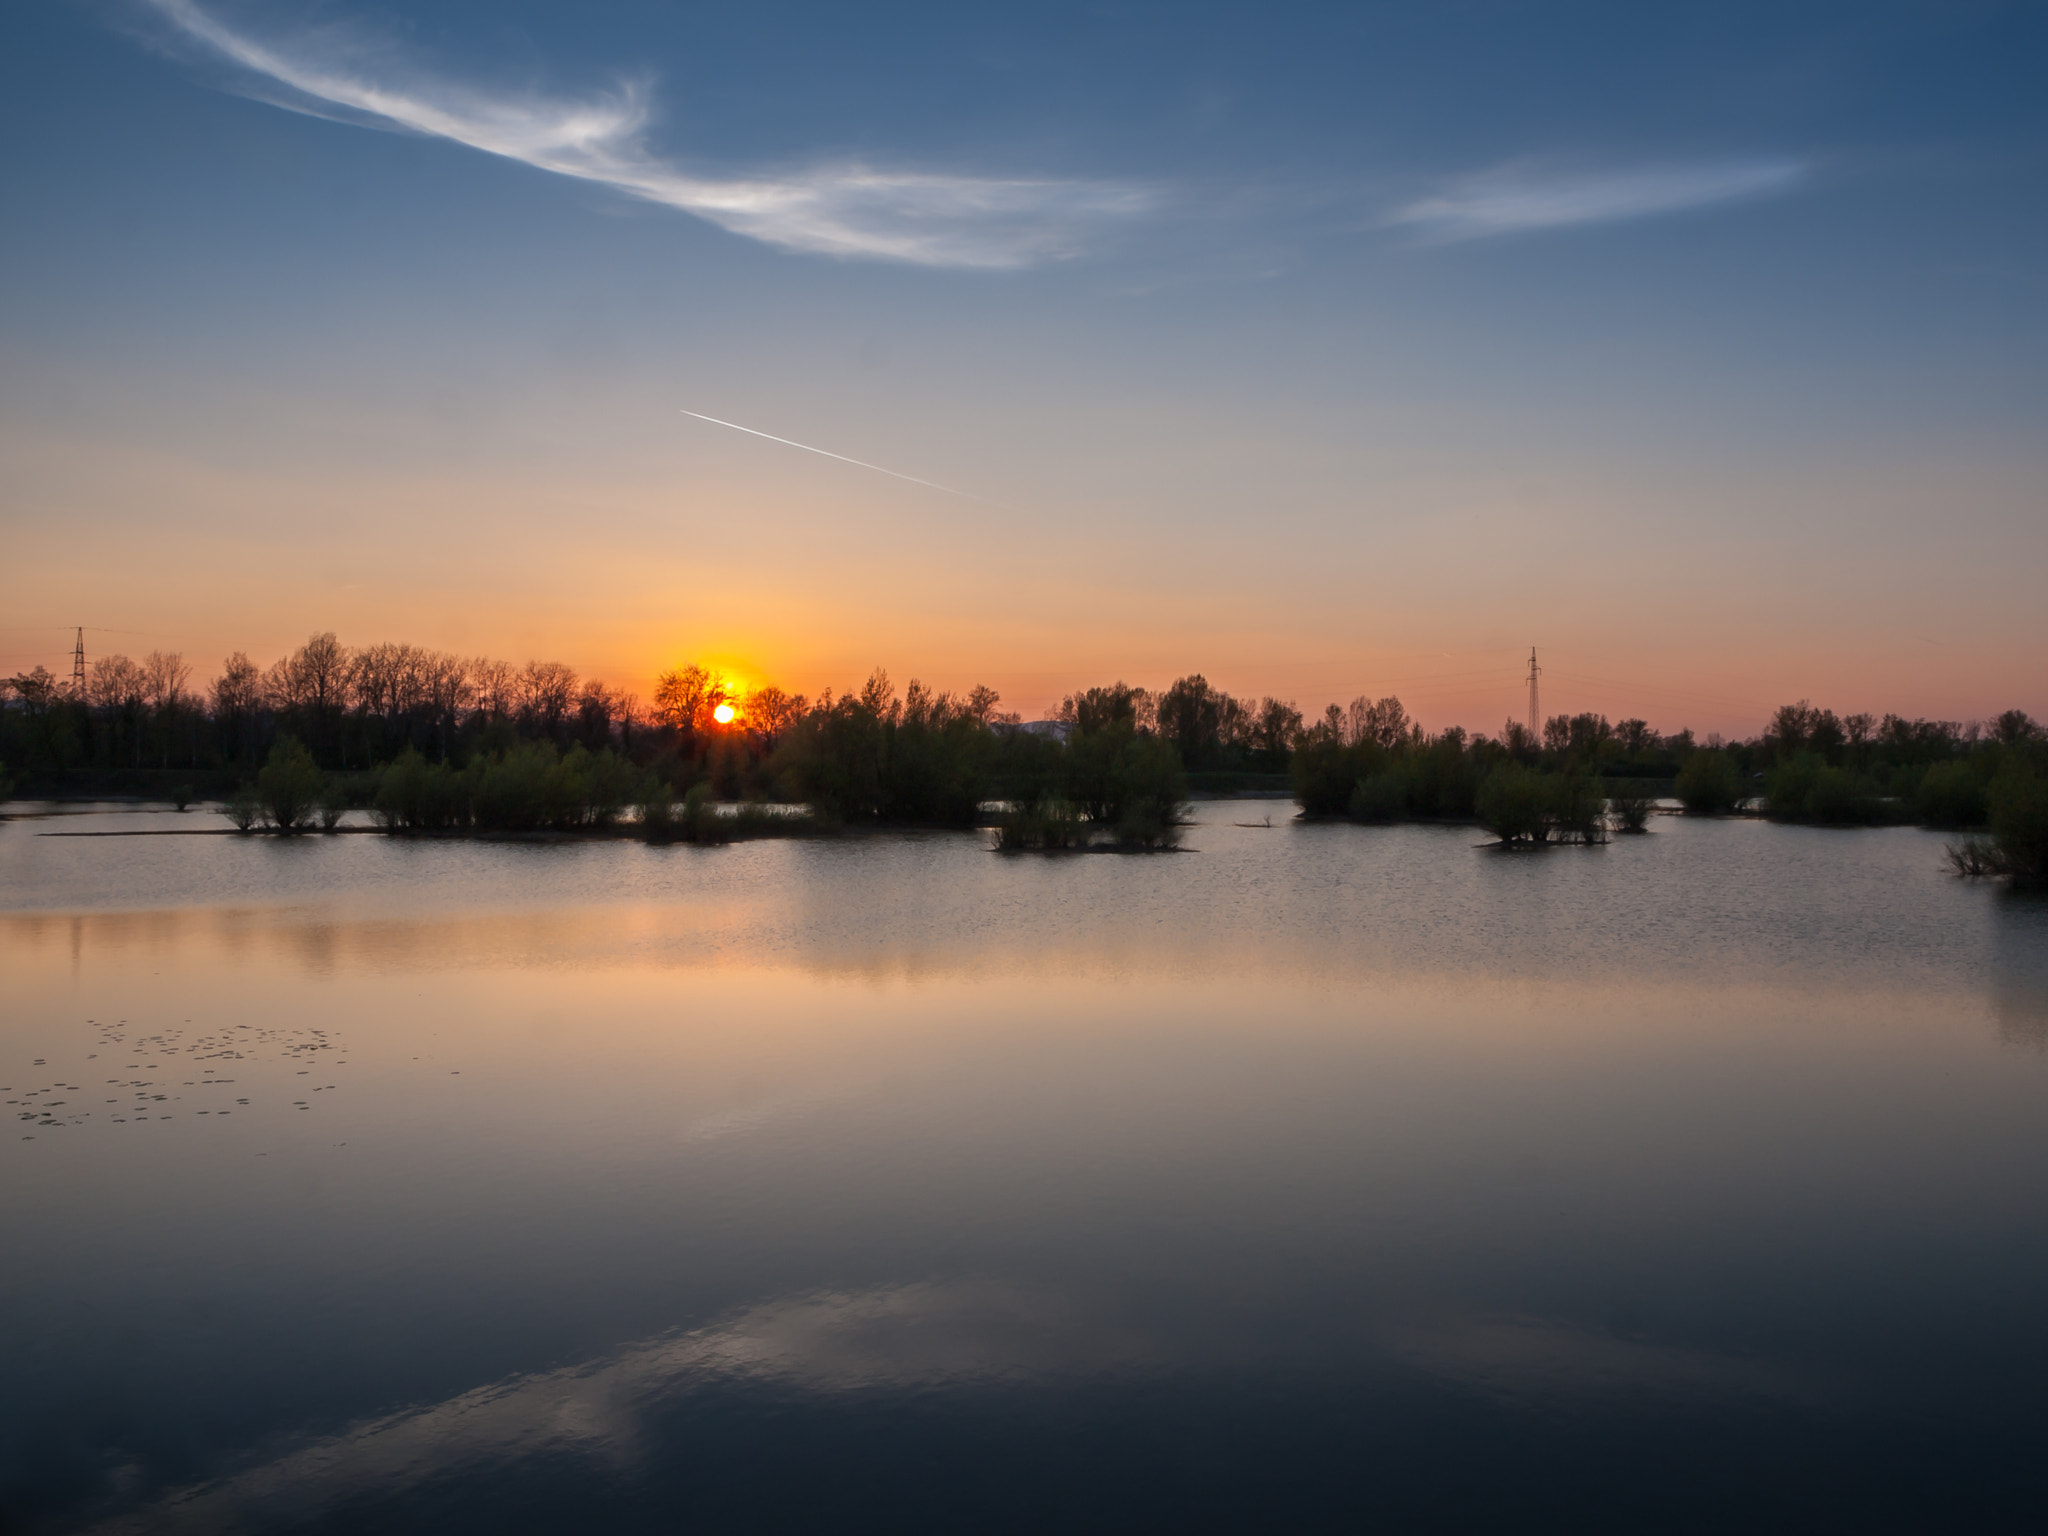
(846, 210)
(1513, 199)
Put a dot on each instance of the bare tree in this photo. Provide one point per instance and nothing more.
(113, 682)
(164, 675)
(281, 687)
(374, 679)
(684, 699)
(494, 685)
(771, 712)
(314, 677)
(446, 680)
(237, 695)
(113, 689)
(547, 689)
(238, 691)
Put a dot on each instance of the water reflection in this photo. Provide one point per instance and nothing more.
(1550, 1365)
(2020, 968)
(900, 1180)
(891, 1338)
(976, 1336)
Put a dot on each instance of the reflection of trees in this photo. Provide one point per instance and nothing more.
(2019, 985)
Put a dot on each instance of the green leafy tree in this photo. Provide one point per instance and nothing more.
(2019, 824)
(1951, 795)
(1709, 783)
(289, 786)
(1514, 804)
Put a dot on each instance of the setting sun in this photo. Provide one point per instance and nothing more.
(723, 714)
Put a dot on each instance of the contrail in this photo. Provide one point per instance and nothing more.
(842, 458)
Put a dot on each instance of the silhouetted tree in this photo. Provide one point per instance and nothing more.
(237, 696)
(1709, 783)
(1191, 715)
(547, 694)
(1094, 708)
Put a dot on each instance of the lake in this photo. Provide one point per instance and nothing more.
(1321, 1177)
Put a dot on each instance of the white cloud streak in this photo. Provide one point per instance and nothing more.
(1513, 200)
(851, 210)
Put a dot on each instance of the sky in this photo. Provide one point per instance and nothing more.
(1323, 350)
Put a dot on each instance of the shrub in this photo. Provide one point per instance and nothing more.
(1443, 780)
(522, 790)
(1513, 804)
(1381, 798)
(657, 809)
(1839, 799)
(1951, 795)
(413, 795)
(288, 786)
(243, 808)
(182, 795)
(701, 822)
(1325, 772)
(1574, 810)
(1789, 785)
(1048, 824)
(925, 759)
(1974, 858)
(609, 784)
(759, 819)
(1808, 789)
(1117, 774)
(1709, 783)
(2019, 824)
(1631, 810)
(1152, 823)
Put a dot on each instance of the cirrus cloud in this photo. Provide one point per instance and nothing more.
(1515, 199)
(837, 210)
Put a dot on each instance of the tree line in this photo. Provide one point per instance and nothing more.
(357, 708)
(1583, 777)
(450, 742)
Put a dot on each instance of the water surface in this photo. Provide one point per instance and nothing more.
(1321, 1177)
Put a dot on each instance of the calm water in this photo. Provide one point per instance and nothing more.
(1327, 1177)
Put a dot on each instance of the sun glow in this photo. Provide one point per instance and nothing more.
(723, 714)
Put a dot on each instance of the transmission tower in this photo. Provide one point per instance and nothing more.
(78, 664)
(1535, 715)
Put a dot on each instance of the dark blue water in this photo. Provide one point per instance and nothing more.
(1323, 1178)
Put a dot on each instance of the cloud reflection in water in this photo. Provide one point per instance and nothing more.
(886, 1339)
(962, 1335)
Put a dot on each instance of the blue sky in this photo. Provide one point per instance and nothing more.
(1322, 349)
